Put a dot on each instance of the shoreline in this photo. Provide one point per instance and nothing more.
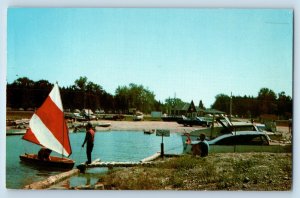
(174, 127)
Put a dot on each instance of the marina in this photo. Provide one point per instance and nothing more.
(113, 146)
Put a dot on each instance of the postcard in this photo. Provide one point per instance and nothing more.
(149, 99)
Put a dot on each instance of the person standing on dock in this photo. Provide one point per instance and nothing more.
(89, 140)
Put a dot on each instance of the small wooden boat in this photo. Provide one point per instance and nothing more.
(48, 128)
(104, 124)
(54, 162)
(151, 131)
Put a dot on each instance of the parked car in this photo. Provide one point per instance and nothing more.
(261, 127)
(194, 121)
(78, 117)
(138, 116)
(242, 138)
(88, 114)
(242, 141)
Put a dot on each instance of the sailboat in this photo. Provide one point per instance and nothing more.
(47, 128)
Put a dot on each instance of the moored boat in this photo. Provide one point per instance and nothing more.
(222, 126)
(150, 131)
(54, 162)
(48, 129)
(107, 124)
(225, 126)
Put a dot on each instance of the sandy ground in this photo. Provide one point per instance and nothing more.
(145, 125)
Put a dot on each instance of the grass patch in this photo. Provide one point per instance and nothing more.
(231, 171)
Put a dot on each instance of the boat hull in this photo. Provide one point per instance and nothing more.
(148, 132)
(104, 125)
(54, 162)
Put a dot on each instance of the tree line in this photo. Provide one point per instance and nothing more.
(265, 103)
(28, 94)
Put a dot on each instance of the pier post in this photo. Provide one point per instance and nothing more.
(162, 150)
(162, 146)
(162, 133)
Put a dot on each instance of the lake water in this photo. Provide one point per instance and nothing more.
(109, 146)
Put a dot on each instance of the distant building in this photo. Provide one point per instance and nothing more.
(188, 110)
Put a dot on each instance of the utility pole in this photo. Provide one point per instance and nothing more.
(230, 107)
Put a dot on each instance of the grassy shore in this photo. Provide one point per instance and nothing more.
(231, 171)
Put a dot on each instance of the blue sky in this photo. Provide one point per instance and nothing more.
(194, 54)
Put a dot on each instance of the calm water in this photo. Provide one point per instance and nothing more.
(109, 146)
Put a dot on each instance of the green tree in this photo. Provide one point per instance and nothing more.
(90, 95)
(122, 98)
(135, 96)
(222, 103)
(172, 103)
(40, 91)
(80, 85)
(23, 96)
(201, 105)
(267, 101)
(285, 105)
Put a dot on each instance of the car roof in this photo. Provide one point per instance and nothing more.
(239, 133)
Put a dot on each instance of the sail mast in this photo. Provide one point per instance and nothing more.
(63, 123)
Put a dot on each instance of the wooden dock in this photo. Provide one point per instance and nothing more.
(117, 164)
(96, 163)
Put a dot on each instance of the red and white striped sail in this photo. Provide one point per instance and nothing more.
(48, 128)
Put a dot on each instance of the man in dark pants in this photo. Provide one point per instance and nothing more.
(89, 140)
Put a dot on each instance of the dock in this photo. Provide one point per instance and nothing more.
(148, 161)
(96, 163)
(117, 164)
